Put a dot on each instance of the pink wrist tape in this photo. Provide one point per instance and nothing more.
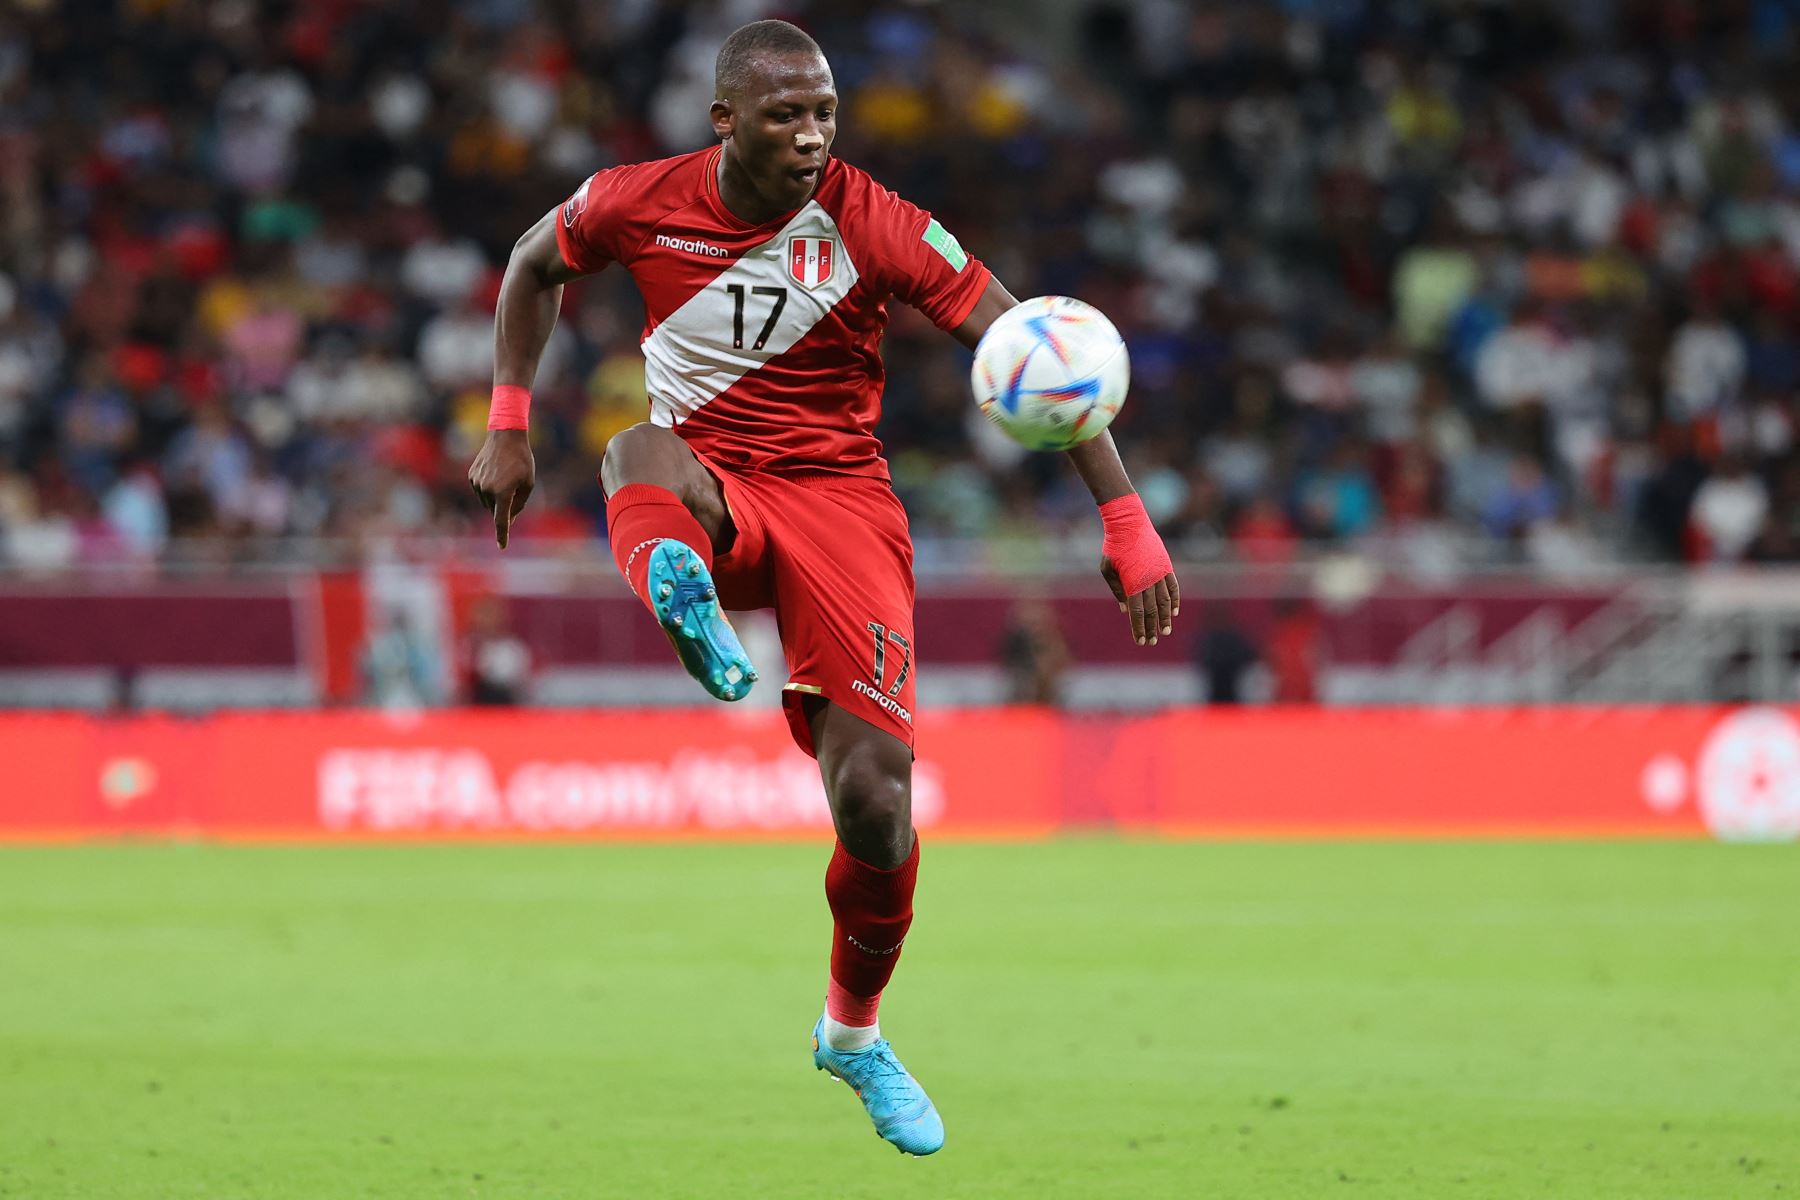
(1132, 543)
(510, 407)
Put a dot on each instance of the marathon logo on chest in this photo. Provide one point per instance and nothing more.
(692, 246)
(810, 259)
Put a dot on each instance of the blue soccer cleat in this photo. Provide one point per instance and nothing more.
(687, 607)
(902, 1112)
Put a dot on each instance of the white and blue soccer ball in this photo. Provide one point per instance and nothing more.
(1051, 372)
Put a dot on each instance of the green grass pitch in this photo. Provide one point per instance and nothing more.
(1095, 1018)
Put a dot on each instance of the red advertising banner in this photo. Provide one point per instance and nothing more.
(1655, 772)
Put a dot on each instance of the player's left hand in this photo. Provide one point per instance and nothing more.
(1135, 564)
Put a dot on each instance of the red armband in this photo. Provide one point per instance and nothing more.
(510, 408)
(1132, 544)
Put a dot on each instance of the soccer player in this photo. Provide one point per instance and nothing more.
(765, 266)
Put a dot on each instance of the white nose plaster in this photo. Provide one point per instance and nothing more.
(808, 141)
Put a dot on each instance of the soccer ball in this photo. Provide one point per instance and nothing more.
(1051, 372)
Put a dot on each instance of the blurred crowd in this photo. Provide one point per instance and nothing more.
(1472, 280)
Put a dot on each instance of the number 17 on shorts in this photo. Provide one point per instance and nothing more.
(893, 657)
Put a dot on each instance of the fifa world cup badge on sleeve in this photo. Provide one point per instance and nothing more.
(945, 243)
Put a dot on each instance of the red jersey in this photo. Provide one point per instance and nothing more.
(762, 342)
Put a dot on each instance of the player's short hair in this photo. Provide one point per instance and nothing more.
(737, 57)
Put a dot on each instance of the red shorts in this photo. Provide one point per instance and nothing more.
(833, 556)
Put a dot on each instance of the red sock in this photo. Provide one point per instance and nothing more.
(871, 910)
(638, 516)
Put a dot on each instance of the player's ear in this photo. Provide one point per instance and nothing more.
(723, 119)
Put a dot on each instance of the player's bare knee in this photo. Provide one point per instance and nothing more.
(872, 804)
(639, 454)
(646, 453)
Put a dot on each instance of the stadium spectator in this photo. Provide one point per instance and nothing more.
(1295, 652)
(1225, 655)
(1034, 654)
(496, 662)
(1729, 512)
(400, 669)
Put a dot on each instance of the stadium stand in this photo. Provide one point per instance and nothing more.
(1431, 290)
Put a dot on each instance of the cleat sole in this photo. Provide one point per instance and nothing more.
(687, 607)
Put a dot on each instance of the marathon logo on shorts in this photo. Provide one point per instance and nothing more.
(692, 246)
(886, 701)
(809, 260)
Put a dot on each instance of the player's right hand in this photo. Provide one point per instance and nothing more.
(503, 474)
